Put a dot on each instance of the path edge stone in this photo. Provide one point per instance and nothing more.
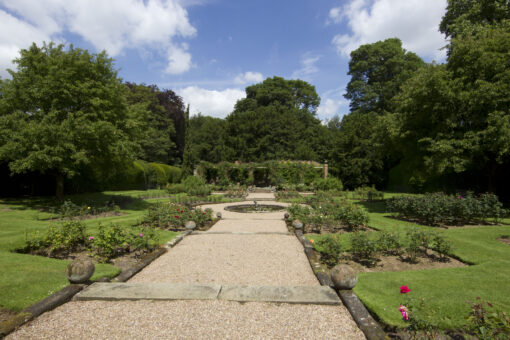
(368, 325)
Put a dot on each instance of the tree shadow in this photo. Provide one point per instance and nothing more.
(97, 199)
(374, 206)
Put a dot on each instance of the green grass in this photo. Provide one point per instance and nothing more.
(446, 291)
(26, 279)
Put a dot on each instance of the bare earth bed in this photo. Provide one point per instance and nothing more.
(191, 320)
(265, 260)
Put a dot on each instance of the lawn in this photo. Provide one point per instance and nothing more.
(27, 279)
(447, 292)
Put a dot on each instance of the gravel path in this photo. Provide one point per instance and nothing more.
(252, 226)
(257, 260)
(264, 260)
(190, 320)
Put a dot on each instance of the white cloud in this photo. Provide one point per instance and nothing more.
(333, 103)
(335, 15)
(248, 78)
(415, 22)
(113, 25)
(179, 60)
(308, 67)
(14, 33)
(210, 102)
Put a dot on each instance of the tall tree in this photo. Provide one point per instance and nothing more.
(377, 70)
(63, 109)
(464, 13)
(187, 159)
(154, 124)
(276, 120)
(207, 135)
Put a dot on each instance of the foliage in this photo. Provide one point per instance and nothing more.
(326, 184)
(114, 240)
(188, 162)
(63, 110)
(440, 208)
(389, 243)
(363, 248)
(207, 136)
(368, 193)
(152, 123)
(62, 238)
(442, 246)
(330, 250)
(487, 322)
(174, 216)
(176, 188)
(285, 195)
(377, 71)
(276, 120)
(417, 243)
(196, 186)
(330, 215)
(68, 209)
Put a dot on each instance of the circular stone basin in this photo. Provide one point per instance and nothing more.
(252, 208)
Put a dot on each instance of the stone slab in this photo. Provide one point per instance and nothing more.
(148, 291)
(319, 295)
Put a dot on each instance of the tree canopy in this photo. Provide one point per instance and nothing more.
(63, 109)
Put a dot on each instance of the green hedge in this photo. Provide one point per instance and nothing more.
(276, 173)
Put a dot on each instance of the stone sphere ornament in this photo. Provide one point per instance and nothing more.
(286, 216)
(218, 215)
(344, 277)
(297, 224)
(80, 270)
(190, 225)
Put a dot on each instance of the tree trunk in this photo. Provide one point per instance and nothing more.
(59, 192)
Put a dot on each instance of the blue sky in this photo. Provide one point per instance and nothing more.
(208, 51)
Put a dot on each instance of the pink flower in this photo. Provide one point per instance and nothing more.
(404, 289)
(141, 235)
(91, 238)
(460, 197)
(405, 313)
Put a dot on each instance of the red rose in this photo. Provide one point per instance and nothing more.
(404, 289)
(176, 216)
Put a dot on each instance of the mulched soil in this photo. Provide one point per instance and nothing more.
(6, 315)
(504, 240)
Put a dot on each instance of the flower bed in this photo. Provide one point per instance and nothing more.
(71, 239)
(173, 216)
(329, 217)
(441, 209)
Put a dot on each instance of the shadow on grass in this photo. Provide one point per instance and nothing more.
(97, 199)
(374, 207)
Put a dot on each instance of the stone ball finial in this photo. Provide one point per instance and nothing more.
(297, 224)
(286, 216)
(344, 277)
(190, 225)
(79, 270)
(218, 215)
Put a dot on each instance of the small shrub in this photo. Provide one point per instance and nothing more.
(176, 189)
(330, 250)
(487, 322)
(196, 186)
(65, 237)
(442, 246)
(389, 243)
(175, 216)
(363, 249)
(418, 242)
(327, 184)
(368, 193)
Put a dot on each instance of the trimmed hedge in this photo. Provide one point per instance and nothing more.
(439, 208)
(275, 173)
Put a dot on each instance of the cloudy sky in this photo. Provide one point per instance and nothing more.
(208, 51)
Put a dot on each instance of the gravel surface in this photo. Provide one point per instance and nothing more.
(260, 196)
(256, 260)
(190, 320)
(245, 216)
(250, 226)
